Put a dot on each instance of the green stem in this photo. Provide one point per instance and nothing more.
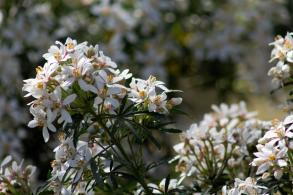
(133, 169)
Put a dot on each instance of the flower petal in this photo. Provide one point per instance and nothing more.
(69, 99)
(46, 135)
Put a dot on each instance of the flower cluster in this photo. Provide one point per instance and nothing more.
(274, 150)
(219, 144)
(70, 164)
(144, 92)
(248, 186)
(283, 53)
(80, 92)
(77, 70)
(16, 178)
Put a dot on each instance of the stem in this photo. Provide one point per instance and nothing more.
(133, 168)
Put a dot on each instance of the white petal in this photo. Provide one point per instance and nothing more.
(262, 168)
(46, 134)
(6, 160)
(289, 134)
(114, 90)
(33, 123)
(66, 116)
(278, 174)
(163, 87)
(69, 99)
(65, 192)
(52, 127)
(103, 74)
(98, 100)
(67, 83)
(176, 101)
(51, 116)
(83, 85)
(282, 152)
(152, 107)
(115, 103)
(288, 120)
(57, 92)
(14, 166)
(282, 163)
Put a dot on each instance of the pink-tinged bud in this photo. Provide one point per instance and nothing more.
(175, 101)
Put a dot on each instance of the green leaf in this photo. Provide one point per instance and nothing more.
(98, 179)
(123, 104)
(163, 124)
(155, 164)
(148, 133)
(155, 142)
(177, 111)
(133, 130)
(171, 130)
(167, 182)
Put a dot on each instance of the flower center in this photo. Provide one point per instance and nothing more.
(142, 94)
(272, 157)
(70, 45)
(76, 72)
(57, 56)
(40, 85)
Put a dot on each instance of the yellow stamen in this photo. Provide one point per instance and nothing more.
(40, 85)
(110, 78)
(39, 69)
(76, 72)
(157, 100)
(70, 45)
(57, 56)
(288, 44)
(142, 94)
(272, 157)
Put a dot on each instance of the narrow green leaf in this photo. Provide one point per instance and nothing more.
(167, 182)
(171, 130)
(98, 179)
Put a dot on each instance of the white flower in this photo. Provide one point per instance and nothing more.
(157, 102)
(79, 68)
(105, 61)
(248, 186)
(175, 101)
(144, 92)
(59, 105)
(71, 45)
(81, 159)
(139, 91)
(37, 87)
(283, 51)
(105, 95)
(277, 133)
(55, 54)
(65, 150)
(42, 119)
(280, 72)
(34, 87)
(227, 131)
(12, 173)
(269, 156)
